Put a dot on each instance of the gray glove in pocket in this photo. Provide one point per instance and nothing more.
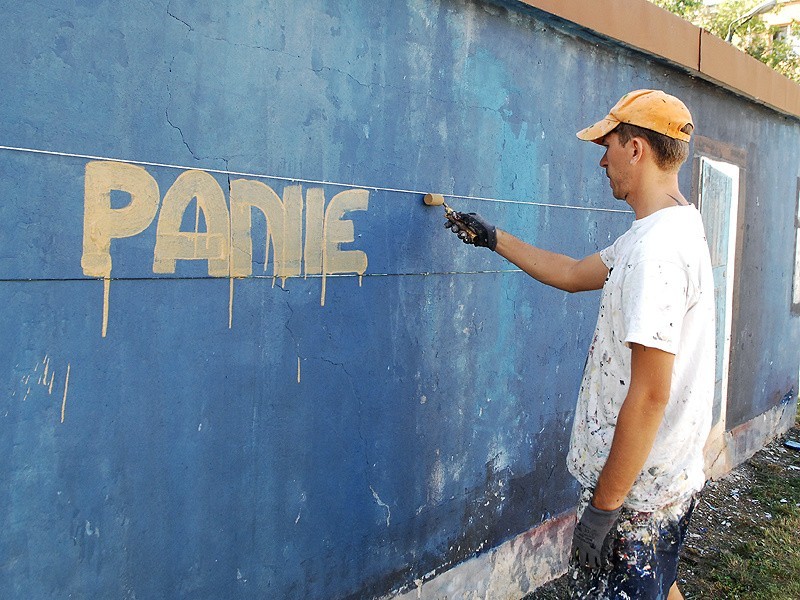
(590, 544)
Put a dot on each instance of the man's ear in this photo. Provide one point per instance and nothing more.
(637, 149)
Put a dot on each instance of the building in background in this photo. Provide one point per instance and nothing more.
(786, 21)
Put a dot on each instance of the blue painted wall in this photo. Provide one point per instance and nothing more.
(766, 335)
(258, 443)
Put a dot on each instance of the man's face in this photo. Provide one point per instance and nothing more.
(616, 161)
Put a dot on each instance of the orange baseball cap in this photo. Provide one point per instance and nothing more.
(650, 109)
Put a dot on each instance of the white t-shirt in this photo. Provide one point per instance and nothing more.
(659, 293)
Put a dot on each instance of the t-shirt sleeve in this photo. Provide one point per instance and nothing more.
(607, 256)
(654, 301)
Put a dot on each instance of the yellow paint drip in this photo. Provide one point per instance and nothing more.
(324, 266)
(266, 253)
(230, 306)
(106, 298)
(64, 401)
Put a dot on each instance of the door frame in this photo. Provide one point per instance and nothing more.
(716, 462)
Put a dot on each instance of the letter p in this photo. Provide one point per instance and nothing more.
(102, 223)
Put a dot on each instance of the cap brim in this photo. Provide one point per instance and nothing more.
(598, 130)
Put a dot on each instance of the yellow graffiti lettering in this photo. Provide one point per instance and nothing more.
(284, 227)
(338, 231)
(315, 221)
(173, 244)
(305, 237)
(101, 222)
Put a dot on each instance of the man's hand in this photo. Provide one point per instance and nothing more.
(471, 228)
(590, 541)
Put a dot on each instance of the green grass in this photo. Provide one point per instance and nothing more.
(766, 564)
(740, 554)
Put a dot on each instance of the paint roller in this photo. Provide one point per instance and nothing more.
(449, 213)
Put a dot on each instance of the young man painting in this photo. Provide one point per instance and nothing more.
(644, 407)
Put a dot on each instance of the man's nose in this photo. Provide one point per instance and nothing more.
(604, 160)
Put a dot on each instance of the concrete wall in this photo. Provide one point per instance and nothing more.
(324, 396)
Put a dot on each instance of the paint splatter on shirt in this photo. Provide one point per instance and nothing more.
(660, 294)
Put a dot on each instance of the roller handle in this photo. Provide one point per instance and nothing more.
(449, 213)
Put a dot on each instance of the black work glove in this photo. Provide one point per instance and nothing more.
(590, 544)
(471, 228)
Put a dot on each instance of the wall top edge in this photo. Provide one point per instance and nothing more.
(643, 25)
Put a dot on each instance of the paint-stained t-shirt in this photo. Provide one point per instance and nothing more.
(659, 293)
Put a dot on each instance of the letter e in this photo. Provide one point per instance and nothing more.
(339, 231)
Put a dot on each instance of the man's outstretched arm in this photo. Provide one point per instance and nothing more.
(557, 270)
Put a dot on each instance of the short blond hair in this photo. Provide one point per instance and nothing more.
(668, 152)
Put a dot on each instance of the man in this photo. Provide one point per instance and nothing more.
(644, 407)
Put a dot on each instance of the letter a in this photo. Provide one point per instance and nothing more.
(173, 244)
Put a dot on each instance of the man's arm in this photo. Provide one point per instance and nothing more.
(557, 270)
(637, 425)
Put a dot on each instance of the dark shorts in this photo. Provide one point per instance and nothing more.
(644, 562)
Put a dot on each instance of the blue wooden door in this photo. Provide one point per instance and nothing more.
(719, 188)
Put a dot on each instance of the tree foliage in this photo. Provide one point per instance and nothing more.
(755, 37)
